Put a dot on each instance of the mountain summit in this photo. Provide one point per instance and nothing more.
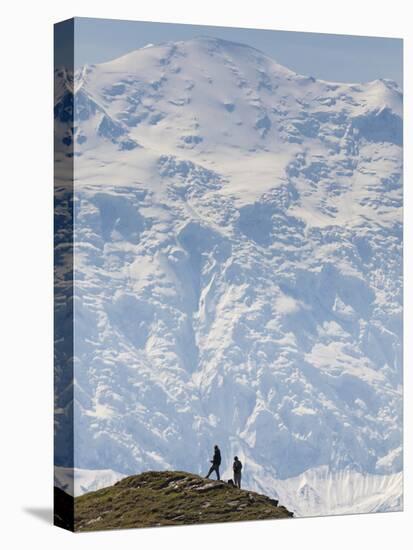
(208, 95)
(170, 498)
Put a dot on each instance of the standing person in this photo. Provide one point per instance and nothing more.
(237, 467)
(216, 462)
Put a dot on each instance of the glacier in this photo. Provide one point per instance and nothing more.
(237, 273)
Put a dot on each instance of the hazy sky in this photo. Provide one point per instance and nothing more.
(326, 56)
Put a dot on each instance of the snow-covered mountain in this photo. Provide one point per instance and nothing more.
(238, 267)
(320, 492)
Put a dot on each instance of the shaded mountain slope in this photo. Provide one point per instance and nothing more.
(63, 509)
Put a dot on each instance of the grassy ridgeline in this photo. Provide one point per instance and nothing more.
(170, 498)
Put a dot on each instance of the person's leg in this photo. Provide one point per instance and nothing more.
(210, 471)
(237, 479)
(217, 471)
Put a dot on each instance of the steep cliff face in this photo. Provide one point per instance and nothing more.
(238, 238)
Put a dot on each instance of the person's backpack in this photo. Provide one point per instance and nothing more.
(238, 467)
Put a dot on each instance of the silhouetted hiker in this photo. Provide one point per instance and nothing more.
(216, 462)
(237, 467)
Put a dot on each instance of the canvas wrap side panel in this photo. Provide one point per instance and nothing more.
(63, 275)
